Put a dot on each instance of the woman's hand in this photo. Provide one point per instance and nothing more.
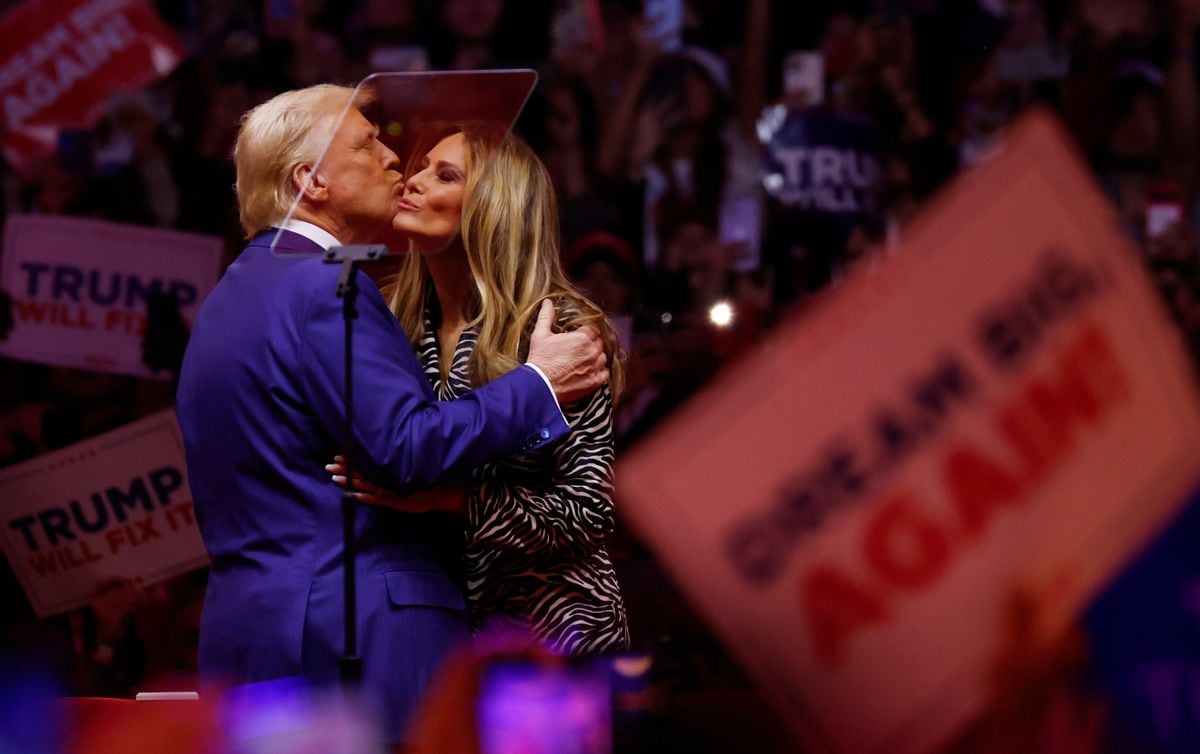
(445, 498)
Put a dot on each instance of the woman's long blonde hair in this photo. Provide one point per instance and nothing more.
(510, 233)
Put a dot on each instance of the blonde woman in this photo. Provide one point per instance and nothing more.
(481, 218)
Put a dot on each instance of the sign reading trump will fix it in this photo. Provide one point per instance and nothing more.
(81, 288)
(116, 506)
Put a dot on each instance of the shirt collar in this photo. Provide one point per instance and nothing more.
(314, 233)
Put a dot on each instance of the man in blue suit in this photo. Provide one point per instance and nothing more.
(260, 407)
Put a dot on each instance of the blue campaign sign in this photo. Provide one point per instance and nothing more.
(823, 162)
(1145, 640)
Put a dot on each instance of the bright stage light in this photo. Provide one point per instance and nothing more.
(721, 314)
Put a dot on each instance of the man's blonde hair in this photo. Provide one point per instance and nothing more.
(287, 130)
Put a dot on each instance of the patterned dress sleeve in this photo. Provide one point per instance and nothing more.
(571, 513)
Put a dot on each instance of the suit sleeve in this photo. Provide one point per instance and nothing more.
(403, 438)
(572, 513)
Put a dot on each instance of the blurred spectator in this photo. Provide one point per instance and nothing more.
(682, 135)
(110, 652)
(471, 24)
(132, 638)
(561, 123)
(605, 268)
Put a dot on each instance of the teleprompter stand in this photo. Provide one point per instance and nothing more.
(350, 664)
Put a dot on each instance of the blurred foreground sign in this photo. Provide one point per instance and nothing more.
(61, 59)
(114, 506)
(79, 288)
(1001, 405)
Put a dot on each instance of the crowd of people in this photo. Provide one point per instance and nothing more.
(658, 147)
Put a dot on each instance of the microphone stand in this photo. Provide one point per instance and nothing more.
(350, 664)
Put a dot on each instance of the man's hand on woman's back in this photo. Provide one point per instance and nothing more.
(574, 362)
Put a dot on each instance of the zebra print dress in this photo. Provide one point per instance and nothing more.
(538, 524)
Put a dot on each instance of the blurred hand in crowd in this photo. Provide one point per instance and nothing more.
(1038, 703)
(654, 119)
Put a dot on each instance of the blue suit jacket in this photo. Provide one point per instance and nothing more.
(260, 407)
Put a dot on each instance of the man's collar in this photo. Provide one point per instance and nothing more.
(314, 233)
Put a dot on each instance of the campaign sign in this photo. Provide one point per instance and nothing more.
(61, 59)
(114, 506)
(79, 288)
(1000, 407)
(822, 162)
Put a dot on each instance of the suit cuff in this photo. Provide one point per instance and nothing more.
(549, 387)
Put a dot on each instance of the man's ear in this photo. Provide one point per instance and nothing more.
(312, 183)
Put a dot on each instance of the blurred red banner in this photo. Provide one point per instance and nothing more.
(61, 59)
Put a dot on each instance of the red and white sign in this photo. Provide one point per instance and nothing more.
(62, 59)
(115, 506)
(1000, 406)
(79, 288)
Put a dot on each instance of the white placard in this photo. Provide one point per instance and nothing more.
(79, 288)
(115, 506)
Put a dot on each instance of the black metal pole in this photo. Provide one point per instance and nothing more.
(350, 665)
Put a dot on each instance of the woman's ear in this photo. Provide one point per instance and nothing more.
(310, 183)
